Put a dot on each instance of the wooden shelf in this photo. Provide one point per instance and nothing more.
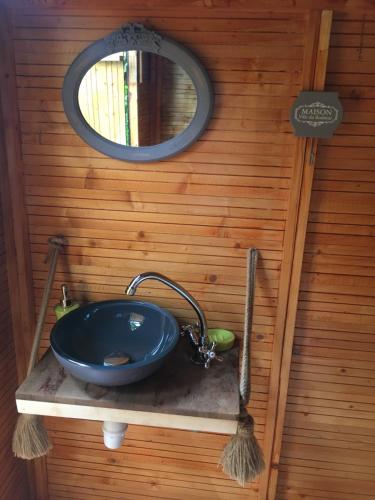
(180, 395)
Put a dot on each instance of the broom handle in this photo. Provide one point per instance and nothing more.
(56, 246)
(245, 386)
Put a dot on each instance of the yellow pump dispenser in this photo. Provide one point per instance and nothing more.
(66, 305)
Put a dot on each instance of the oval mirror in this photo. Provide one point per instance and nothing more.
(137, 96)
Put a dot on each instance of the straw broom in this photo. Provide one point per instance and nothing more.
(242, 458)
(30, 439)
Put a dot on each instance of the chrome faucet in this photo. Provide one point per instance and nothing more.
(204, 351)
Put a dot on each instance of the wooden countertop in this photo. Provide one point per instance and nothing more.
(180, 395)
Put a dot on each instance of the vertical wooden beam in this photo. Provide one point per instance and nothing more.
(16, 235)
(314, 72)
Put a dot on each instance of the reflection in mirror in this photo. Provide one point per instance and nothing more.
(136, 98)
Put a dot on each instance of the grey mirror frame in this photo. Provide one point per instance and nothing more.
(137, 37)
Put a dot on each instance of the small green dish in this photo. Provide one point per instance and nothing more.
(224, 339)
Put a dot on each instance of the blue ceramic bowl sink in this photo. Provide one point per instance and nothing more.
(87, 339)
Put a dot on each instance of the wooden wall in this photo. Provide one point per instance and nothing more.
(13, 476)
(193, 217)
(178, 100)
(329, 445)
(98, 99)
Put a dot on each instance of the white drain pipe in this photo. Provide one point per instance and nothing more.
(113, 434)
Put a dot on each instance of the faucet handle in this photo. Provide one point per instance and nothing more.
(209, 353)
(203, 354)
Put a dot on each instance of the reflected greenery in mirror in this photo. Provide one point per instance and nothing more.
(137, 96)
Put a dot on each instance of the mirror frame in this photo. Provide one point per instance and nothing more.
(137, 37)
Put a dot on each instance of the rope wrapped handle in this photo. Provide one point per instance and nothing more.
(56, 245)
(245, 386)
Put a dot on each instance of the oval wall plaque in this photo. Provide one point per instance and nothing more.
(316, 114)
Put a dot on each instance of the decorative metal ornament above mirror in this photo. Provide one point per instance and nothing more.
(137, 96)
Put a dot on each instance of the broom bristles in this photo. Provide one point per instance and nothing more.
(242, 458)
(30, 438)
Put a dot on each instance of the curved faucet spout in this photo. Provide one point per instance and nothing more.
(135, 282)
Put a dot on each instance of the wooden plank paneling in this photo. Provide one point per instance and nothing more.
(203, 7)
(328, 446)
(191, 217)
(13, 474)
(314, 78)
(15, 234)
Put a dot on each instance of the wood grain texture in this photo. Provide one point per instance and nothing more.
(13, 472)
(208, 6)
(191, 217)
(328, 445)
(19, 295)
(176, 389)
(317, 44)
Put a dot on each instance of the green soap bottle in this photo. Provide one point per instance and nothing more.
(66, 305)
